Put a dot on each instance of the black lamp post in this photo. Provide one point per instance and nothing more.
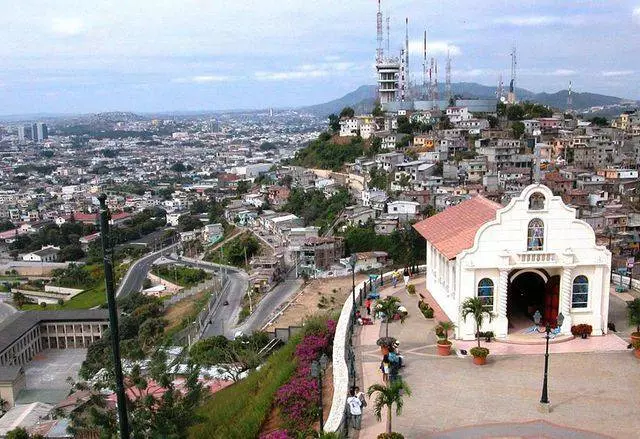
(544, 399)
(352, 262)
(317, 367)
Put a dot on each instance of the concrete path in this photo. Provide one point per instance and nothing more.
(592, 394)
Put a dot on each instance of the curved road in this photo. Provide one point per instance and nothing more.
(137, 273)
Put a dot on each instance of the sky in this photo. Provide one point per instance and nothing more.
(70, 56)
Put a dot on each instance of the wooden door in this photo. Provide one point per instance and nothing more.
(551, 301)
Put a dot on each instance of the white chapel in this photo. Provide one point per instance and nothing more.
(532, 255)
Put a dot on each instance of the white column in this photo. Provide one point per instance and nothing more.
(565, 298)
(501, 326)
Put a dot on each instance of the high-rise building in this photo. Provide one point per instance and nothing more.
(40, 132)
(21, 134)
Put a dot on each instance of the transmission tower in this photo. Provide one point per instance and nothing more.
(447, 84)
(379, 51)
(425, 86)
(569, 99)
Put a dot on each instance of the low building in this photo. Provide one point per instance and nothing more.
(48, 253)
(319, 254)
(12, 381)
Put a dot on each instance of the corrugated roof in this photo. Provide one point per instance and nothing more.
(454, 229)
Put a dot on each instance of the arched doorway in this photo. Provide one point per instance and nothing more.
(531, 290)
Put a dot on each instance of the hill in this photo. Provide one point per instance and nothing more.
(362, 99)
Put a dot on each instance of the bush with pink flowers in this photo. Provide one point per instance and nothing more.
(298, 399)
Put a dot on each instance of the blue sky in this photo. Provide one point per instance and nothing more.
(72, 56)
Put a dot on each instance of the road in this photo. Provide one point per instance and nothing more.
(137, 273)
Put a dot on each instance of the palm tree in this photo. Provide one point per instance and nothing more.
(387, 396)
(389, 307)
(476, 307)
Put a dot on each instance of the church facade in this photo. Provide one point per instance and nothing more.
(532, 255)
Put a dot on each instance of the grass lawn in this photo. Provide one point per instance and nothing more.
(90, 298)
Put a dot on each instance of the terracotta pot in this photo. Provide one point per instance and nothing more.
(444, 349)
(635, 336)
(636, 353)
(479, 360)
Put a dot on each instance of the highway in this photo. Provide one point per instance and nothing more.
(135, 276)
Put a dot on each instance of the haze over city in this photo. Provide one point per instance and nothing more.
(79, 57)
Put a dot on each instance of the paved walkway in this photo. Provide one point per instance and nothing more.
(452, 398)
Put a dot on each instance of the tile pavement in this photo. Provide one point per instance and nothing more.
(593, 394)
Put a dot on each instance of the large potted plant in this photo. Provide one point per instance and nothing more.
(636, 347)
(477, 309)
(386, 396)
(633, 312)
(442, 331)
(389, 306)
(582, 330)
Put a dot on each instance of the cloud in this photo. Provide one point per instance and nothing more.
(67, 27)
(310, 71)
(563, 72)
(202, 79)
(635, 15)
(618, 73)
(433, 48)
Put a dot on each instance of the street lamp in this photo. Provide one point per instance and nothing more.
(352, 261)
(317, 366)
(544, 399)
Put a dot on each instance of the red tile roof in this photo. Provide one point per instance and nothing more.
(454, 229)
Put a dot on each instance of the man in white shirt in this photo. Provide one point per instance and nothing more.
(355, 409)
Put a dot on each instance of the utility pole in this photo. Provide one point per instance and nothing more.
(113, 317)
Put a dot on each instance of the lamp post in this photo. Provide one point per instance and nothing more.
(317, 367)
(352, 263)
(544, 399)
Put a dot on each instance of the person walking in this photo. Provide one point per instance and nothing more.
(394, 278)
(367, 305)
(355, 409)
(405, 275)
(384, 368)
(360, 396)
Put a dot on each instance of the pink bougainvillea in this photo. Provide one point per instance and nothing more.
(276, 434)
(299, 398)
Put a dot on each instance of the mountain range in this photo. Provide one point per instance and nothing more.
(363, 98)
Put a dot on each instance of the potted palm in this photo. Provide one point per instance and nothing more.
(633, 312)
(442, 331)
(636, 347)
(475, 307)
(390, 307)
(386, 396)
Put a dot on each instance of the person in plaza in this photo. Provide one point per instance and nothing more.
(360, 395)
(367, 305)
(405, 275)
(384, 368)
(355, 409)
(394, 278)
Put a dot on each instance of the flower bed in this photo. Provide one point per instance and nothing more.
(298, 399)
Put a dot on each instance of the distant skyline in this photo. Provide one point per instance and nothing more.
(75, 56)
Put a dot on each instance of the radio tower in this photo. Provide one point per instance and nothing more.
(511, 97)
(424, 66)
(379, 52)
(388, 32)
(406, 54)
(436, 92)
(447, 84)
(569, 100)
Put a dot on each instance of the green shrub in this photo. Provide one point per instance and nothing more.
(392, 435)
(479, 352)
(411, 289)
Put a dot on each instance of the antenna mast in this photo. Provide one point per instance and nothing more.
(448, 77)
(379, 53)
(569, 100)
(388, 32)
(436, 92)
(511, 98)
(424, 65)
(406, 53)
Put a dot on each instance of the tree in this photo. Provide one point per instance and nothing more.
(445, 123)
(377, 110)
(6, 225)
(378, 178)
(477, 308)
(404, 125)
(518, 129)
(188, 222)
(71, 252)
(347, 112)
(178, 167)
(387, 396)
(18, 433)
(493, 121)
(243, 187)
(389, 307)
(515, 112)
(376, 146)
(334, 122)
(404, 181)
(600, 121)
(20, 299)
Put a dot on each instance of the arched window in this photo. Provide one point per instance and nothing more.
(536, 201)
(535, 235)
(485, 292)
(580, 295)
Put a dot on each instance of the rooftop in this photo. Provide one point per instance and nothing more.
(454, 229)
